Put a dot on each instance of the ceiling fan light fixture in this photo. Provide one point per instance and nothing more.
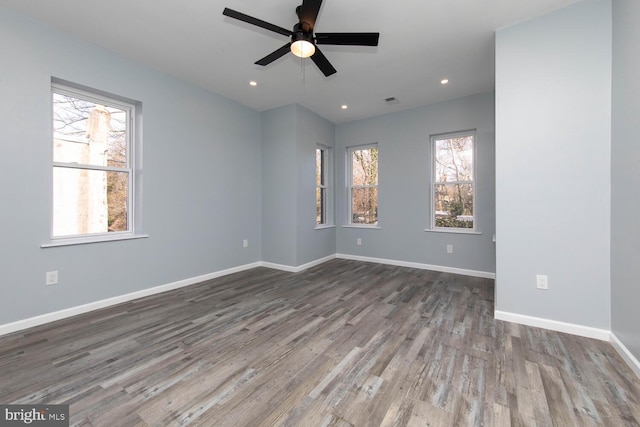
(302, 45)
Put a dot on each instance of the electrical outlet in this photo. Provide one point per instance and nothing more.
(449, 249)
(359, 241)
(51, 278)
(542, 281)
(245, 243)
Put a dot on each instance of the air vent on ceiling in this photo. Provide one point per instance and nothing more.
(391, 101)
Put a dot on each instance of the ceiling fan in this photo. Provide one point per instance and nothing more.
(303, 41)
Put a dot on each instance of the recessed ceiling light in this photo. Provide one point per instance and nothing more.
(253, 83)
(444, 81)
(344, 106)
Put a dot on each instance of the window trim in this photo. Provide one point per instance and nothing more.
(432, 213)
(100, 238)
(132, 167)
(350, 186)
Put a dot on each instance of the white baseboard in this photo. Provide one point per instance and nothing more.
(573, 329)
(80, 309)
(443, 269)
(554, 325)
(299, 268)
(626, 355)
(85, 308)
(73, 311)
(569, 328)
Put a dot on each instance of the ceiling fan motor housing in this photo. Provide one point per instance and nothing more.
(299, 34)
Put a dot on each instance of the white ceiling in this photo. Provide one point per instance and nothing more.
(421, 42)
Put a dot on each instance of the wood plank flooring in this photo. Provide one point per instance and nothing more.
(345, 343)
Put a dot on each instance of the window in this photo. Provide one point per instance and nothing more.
(321, 185)
(362, 165)
(453, 190)
(92, 164)
(324, 172)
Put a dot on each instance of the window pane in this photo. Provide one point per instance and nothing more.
(320, 206)
(89, 201)
(454, 205)
(364, 208)
(454, 159)
(88, 133)
(364, 167)
(320, 161)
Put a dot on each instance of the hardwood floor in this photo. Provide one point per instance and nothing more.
(343, 344)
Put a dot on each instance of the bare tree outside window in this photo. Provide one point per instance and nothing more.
(91, 165)
(364, 185)
(453, 186)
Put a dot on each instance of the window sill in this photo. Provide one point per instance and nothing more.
(453, 231)
(373, 227)
(88, 240)
(324, 226)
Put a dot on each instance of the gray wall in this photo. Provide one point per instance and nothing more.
(216, 173)
(312, 243)
(404, 185)
(553, 145)
(201, 173)
(290, 135)
(625, 175)
(279, 185)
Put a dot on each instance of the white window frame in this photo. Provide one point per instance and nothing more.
(326, 186)
(351, 187)
(434, 182)
(131, 168)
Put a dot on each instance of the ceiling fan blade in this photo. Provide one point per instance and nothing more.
(351, 39)
(255, 21)
(308, 14)
(275, 55)
(323, 63)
